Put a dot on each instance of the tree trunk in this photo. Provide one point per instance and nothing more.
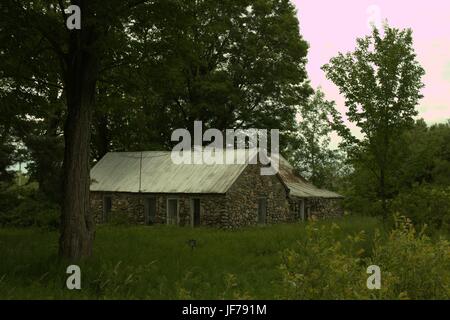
(81, 65)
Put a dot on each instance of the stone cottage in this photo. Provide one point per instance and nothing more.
(149, 188)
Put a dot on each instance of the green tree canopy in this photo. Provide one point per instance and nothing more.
(381, 83)
(311, 152)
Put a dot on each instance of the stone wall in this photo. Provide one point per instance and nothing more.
(242, 199)
(316, 208)
(131, 205)
(212, 207)
(325, 208)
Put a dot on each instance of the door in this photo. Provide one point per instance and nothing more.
(150, 210)
(262, 210)
(302, 210)
(172, 211)
(196, 212)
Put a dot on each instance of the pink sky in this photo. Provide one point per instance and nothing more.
(333, 26)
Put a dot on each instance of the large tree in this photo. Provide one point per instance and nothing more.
(135, 71)
(381, 82)
(40, 52)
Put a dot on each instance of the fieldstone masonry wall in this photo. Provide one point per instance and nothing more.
(129, 204)
(242, 199)
(212, 207)
(325, 208)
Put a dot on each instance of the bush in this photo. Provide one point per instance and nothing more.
(26, 207)
(426, 204)
(362, 206)
(412, 266)
(321, 268)
(9, 198)
(32, 212)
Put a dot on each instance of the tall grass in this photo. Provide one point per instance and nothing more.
(162, 262)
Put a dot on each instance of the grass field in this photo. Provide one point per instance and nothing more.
(157, 262)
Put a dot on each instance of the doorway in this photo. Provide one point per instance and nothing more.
(150, 210)
(195, 212)
(172, 211)
(302, 210)
(262, 210)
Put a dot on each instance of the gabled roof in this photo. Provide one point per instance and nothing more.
(155, 172)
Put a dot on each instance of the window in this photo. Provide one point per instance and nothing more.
(262, 210)
(106, 208)
(195, 205)
(172, 211)
(150, 210)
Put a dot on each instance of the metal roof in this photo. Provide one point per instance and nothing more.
(155, 172)
(120, 172)
(298, 186)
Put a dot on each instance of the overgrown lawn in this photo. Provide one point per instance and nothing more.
(162, 262)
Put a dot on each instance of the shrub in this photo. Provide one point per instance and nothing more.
(32, 213)
(26, 207)
(8, 199)
(428, 205)
(412, 266)
(362, 205)
(321, 268)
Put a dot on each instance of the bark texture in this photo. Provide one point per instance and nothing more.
(81, 67)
